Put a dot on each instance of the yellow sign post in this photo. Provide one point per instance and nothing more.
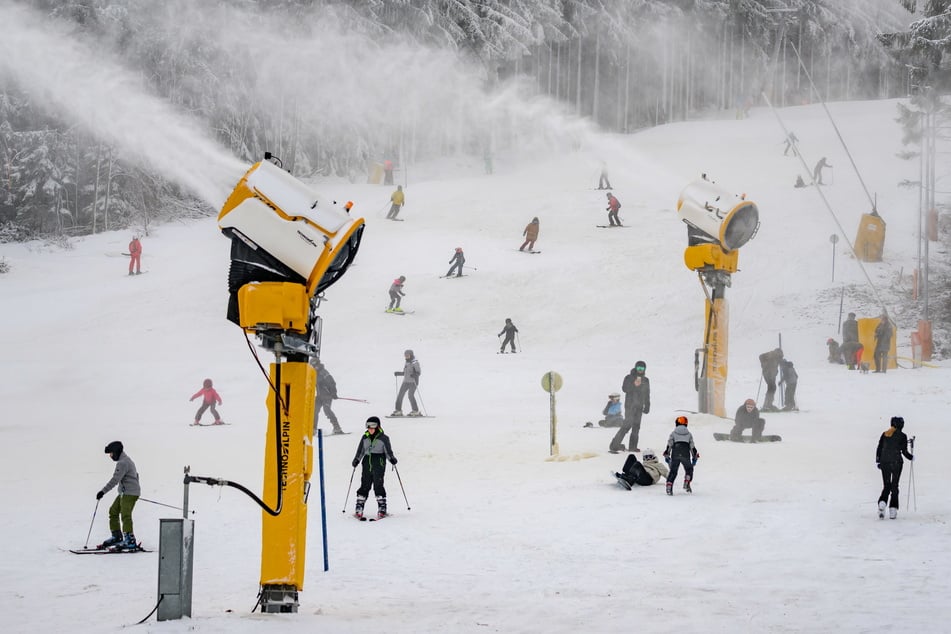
(551, 383)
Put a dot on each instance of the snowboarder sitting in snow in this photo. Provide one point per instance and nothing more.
(892, 445)
(680, 451)
(644, 474)
(127, 477)
(208, 400)
(531, 234)
(835, 351)
(458, 259)
(799, 181)
(747, 416)
(613, 416)
(509, 331)
(373, 450)
(396, 294)
(614, 206)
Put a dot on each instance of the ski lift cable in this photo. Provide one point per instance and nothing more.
(828, 206)
(834, 126)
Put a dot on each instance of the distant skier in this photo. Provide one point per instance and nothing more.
(637, 402)
(817, 170)
(680, 451)
(458, 259)
(135, 253)
(373, 450)
(410, 374)
(509, 330)
(835, 351)
(799, 182)
(747, 417)
(791, 140)
(387, 172)
(398, 199)
(531, 234)
(614, 205)
(325, 394)
(892, 445)
(396, 295)
(613, 412)
(790, 378)
(883, 342)
(851, 348)
(209, 396)
(643, 474)
(769, 362)
(603, 182)
(127, 477)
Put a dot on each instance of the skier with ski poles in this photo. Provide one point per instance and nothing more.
(614, 206)
(325, 394)
(127, 477)
(373, 451)
(457, 261)
(892, 445)
(509, 330)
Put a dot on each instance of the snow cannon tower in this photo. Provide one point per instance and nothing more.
(288, 244)
(718, 224)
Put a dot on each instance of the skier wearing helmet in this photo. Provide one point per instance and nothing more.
(614, 206)
(396, 293)
(458, 259)
(680, 451)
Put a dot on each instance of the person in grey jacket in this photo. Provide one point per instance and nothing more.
(458, 261)
(396, 294)
(410, 374)
(373, 450)
(127, 477)
(325, 395)
(680, 451)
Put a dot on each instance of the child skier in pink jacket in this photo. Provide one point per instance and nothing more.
(209, 398)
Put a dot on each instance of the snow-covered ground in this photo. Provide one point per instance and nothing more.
(779, 537)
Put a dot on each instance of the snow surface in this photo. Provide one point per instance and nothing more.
(779, 537)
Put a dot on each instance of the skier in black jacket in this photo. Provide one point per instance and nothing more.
(892, 445)
(680, 451)
(509, 331)
(637, 402)
(374, 450)
(326, 393)
(747, 416)
(457, 262)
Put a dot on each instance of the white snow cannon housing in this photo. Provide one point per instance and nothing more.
(282, 231)
(715, 215)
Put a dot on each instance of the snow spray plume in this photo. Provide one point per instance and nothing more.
(68, 76)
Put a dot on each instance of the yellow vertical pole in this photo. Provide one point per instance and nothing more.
(717, 340)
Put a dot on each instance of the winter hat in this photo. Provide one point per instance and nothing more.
(749, 401)
(898, 422)
(458, 249)
(614, 395)
(206, 383)
(680, 420)
(508, 320)
(408, 352)
(373, 421)
(402, 278)
(114, 447)
(649, 454)
(851, 315)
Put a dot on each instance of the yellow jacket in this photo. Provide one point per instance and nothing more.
(397, 197)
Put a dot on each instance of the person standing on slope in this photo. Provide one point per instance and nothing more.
(680, 451)
(531, 234)
(398, 199)
(789, 378)
(509, 330)
(127, 477)
(769, 362)
(410, 374)
(396, 294)
(892, 445)
(457, 261)
(603, 182)
(637, 402)
(325, 395)
(373, 450)
(883, 342)
(614, 206)
(209, 396)
(135, 253)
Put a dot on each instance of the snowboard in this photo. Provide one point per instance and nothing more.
(396, 219)
(624, 484)
(748, 439)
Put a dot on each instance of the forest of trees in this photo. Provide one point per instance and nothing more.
(266, 75)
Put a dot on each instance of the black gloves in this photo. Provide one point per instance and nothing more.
(100, 494)
(878, 465)
(393, 461)
(647, 409)
(397, 374)
(355, 463)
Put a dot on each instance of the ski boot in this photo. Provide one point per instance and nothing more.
(397, 412)
(358, 510)
(687, 485)
(337, 429)
(112, 541)
(415, 413)
(218, 421)
(128, 542)
(380, 507)
(397, 310)
(892, 513)
(670, 488)
(881, 510)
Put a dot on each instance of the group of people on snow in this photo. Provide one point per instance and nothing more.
(680, 451)
(851, 350)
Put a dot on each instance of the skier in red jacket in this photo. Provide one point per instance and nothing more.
(614, 206)
(209, 398)
(135, 250)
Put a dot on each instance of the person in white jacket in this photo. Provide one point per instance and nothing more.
(641, 473)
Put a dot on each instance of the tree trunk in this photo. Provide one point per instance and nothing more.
(597, 76)
(95, 196)
(105, 211)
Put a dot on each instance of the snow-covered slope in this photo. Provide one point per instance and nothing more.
(777, 537)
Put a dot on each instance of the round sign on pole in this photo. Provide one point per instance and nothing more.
(551, 382)
(833, 238)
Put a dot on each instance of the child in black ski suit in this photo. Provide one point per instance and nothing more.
(457, 261)
(509, 331)
(374, 450)
(892, 445)
(680, 451)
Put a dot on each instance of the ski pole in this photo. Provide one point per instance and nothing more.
(357, 400)
(419, 395)
(349, 486)
(401, 486)
(178, 508)
(95, 510)
(470, 267)
(911, 486)
(518, 341)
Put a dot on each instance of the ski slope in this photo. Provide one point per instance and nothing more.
(778, 537)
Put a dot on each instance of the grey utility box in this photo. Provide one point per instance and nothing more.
(175, 568)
